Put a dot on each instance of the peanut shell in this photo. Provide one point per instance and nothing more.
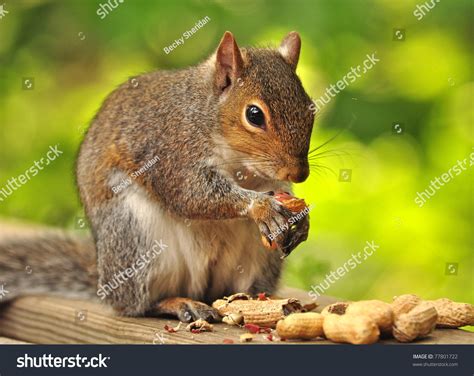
(417, 323)
(351, 329)
(264, 313)
(381, 312)
(404, 303)
(452, 314)
(305, 325)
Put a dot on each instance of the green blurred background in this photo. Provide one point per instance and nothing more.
(423, 83)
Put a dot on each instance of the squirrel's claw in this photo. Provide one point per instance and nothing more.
(295, 236)
(194, 310)
(185, 309)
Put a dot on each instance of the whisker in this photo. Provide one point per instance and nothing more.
(318, 167)
(335, 136)
(330, 151)
(326, 142)
(329, 154)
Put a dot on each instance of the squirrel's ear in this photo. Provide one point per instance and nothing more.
(290, 48)
(229, 62)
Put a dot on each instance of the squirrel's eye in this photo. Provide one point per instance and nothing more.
(255, 116)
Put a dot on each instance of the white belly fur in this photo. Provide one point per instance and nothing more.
(201, 257)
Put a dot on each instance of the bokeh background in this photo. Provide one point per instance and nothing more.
(423, 82)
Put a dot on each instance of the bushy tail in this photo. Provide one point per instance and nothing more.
(47, 262)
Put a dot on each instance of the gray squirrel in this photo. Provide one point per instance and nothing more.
(174, 174)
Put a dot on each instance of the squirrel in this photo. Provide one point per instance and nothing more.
(186, 160)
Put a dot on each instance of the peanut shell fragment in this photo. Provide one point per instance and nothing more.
(264, 313)
(338, 308)
(200, 325)
(233, 319)
(246, 337)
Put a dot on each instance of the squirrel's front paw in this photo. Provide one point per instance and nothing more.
(273, 221)
(272, 218)
(185, 310)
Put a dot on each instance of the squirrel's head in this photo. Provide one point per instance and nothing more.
(264, 110)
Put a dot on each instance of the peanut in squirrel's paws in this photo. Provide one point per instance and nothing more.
(185, 310)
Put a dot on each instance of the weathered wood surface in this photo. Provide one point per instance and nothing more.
(38, 319)
(9, 341)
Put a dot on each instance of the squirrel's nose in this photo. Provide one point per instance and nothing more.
(295, 174)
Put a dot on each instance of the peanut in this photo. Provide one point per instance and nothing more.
(404, 303)
(417, 323)
(452, 314)
(350, 329)
(377, 310)
(292, 203)
(305, 325)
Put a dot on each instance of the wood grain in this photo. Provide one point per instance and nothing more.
(10, 341)
(51, 320)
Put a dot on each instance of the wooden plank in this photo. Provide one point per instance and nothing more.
(39, 319)
(10, 341)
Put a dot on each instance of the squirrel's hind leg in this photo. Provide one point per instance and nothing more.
(129, 294)
(184, 309)
(123, 270)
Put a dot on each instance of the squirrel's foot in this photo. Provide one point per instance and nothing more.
(185, 309)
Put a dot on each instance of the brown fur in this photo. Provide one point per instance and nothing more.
(192, 119)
